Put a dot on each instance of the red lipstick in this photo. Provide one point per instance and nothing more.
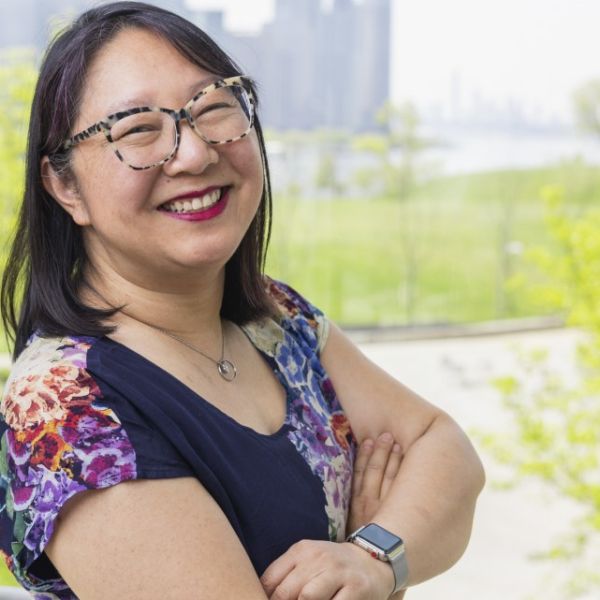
(200, 214)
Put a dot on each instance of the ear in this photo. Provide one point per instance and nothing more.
(64, 190)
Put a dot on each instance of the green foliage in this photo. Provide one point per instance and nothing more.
(17, 80)
(6, 577)
(393, 177)
(556, 433)
(326, 177)
(586, 100)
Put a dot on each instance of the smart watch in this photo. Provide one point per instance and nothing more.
(385, 546)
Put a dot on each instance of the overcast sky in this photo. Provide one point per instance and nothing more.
(533, 51)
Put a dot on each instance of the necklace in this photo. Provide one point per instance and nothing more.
(225, 368)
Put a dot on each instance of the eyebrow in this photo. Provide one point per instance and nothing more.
(137, 101)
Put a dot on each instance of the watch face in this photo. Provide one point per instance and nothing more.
(380, 537)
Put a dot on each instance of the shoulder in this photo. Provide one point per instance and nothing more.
(54, 424)
(48, 378)
(57, 438)
(297, 314)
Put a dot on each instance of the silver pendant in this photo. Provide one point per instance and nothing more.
(226, 370)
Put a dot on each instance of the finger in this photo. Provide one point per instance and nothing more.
(291, 585)
(322, 586)
(345, 594)
(391, 469)
(375, 468)
(362, 458)
(276, 572)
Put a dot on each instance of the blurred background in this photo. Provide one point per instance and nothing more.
(435, 168)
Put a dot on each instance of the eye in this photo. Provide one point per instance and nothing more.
(139, 126)
(138, 129)
(202, 110)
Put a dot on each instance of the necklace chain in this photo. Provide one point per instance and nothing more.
(225, 368)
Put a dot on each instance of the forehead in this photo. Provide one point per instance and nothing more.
(138, 67)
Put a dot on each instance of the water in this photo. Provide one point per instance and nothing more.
(470, 152)
(456, 151)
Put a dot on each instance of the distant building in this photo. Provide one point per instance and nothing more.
(314, 69)
(32, 22)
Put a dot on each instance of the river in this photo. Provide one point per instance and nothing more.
(455, 151)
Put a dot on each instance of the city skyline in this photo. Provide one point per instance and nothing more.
(313, 69)
(506, 59)
(530, 53)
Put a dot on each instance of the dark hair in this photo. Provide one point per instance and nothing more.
(45, 268)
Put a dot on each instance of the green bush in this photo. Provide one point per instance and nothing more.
(556, 433)
(17, 80)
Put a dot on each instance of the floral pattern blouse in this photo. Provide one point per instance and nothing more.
(87, 413)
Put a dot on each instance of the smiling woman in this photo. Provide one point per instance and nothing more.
(177, 424)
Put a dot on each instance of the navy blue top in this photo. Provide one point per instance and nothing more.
(87, 413)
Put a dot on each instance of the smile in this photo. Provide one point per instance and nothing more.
(193, 204)
(200, 207)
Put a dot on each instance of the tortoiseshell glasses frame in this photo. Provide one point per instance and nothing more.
(232, 119)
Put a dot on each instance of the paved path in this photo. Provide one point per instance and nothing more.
(455, 375)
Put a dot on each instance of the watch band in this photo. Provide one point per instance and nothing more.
(396, 557)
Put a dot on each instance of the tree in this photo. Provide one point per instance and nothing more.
(397, 149)
(326, 177)
(398, 174)
(17, 80)
(556, 425)
(586, 101)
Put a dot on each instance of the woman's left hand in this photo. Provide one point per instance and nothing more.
(376, 465)
(319, 570)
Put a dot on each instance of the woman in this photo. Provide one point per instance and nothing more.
(171, 428)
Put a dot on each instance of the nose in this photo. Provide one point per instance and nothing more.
(193, 155)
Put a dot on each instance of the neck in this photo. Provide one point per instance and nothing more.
(191, 311)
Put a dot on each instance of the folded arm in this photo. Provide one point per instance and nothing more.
(431, 501)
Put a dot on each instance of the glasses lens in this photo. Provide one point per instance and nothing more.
(145, 138)
(223, 114)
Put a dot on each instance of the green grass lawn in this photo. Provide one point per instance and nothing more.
(438, 257)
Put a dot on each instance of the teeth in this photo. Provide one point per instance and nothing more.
(203, 202)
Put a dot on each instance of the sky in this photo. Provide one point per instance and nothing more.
(530, 52)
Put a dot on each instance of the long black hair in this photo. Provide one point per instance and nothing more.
(45, 268)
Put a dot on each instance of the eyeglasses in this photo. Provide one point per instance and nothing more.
(147, 137)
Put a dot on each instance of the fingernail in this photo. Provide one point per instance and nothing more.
(368, 443)
(386, 437)
(396, 448)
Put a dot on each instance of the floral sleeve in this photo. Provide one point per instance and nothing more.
(299, 315)
(56, 439)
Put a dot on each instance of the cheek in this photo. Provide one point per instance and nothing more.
(108, 187)
(249, 164)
